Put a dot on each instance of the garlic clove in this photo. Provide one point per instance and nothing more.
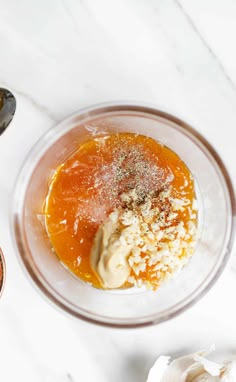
(210, 367)
(229, 373)
(192, 368)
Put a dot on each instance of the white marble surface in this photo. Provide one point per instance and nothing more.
(58, 56)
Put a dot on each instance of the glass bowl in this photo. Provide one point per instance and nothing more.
(130, 308)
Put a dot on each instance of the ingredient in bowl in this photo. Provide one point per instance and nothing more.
(121, 212)
(192, 368)
(143, 244)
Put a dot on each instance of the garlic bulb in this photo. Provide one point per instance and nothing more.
(192, 368)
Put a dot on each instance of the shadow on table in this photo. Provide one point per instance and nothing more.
(136, 369)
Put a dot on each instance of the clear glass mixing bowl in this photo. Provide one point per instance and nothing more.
(124, 308)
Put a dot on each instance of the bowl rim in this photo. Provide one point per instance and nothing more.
(102, 109)
(3, 269)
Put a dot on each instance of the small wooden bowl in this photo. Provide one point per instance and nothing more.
(2, 272)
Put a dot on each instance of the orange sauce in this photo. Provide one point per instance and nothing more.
(87, 187)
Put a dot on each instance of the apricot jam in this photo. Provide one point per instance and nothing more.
(91, 184)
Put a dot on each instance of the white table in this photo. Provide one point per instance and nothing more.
(58, 56)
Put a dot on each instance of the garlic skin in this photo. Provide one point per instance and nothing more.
(157, 371)
(192, 368)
